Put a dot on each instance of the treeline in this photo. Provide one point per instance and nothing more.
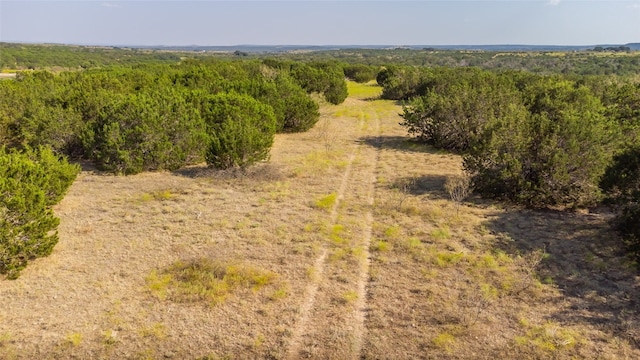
(545, 63)
(38, 57)
(138, 118)
(535, 140)
(606, 61)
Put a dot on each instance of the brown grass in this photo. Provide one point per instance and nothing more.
(441, 280)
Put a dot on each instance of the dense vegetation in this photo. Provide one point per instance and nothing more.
(31, 182)
(532, 139)
(540, 129)
(128, 119)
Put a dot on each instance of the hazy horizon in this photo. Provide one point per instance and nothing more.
(321, 23)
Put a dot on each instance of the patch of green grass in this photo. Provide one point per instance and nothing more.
(159, 195)
(350, 297)
(392, 232)
(364, 91)
(279, 294)
(549, 337)
(73, 339)
(158, 284)
(327, 202)
(336, 234)
(444, 341)
(205, 280)
(441, 233)
(110, 337)
(444, 259)
(157, 330)
(380, 246)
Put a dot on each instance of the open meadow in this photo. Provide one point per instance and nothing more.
(351, 242)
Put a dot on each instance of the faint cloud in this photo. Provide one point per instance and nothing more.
(634, 6)
(110, 5)
(554, 2)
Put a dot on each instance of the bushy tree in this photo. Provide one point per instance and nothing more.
(326, 78)
(360, 73)
(241, 130)
(456, 105)
(551, 152)
(298, 111)
(399, 82)
(30, 183)
(336, 92)
(139, 132)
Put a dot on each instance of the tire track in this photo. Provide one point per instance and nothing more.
(360, 312)
(319, 265)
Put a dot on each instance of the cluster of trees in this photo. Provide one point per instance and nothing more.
(152, 117)
(550, 62)
(132, 119)
(29, 56)
(536, 140)
(612, 48)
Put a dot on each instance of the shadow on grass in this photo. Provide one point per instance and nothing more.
(586, 262)
(399, 143)
(258, 172)
(433, 185)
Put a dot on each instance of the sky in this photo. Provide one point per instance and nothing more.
(240, 22)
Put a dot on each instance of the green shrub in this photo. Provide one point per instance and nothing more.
(30, 182)
(139, 132)
(241, 130)
(456, 105)
(399, 83)
(337, 91)
(551, 152)
(299, 112)
(360, 73)
(326, 78)
(628, 223)
(621, 183)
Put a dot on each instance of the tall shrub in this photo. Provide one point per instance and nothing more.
(241, 130)
(621, 183)
(30, 183)
(554, 153)
(145, 131)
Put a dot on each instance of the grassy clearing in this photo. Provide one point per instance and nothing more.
(452, 278)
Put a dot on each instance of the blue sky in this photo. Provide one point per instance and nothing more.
(426, 22)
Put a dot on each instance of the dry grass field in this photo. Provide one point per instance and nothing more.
(345, 245)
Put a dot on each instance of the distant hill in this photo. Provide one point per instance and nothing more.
(289, 48)
(634, 46)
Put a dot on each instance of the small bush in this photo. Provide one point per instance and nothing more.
(30, 182)
(458, 188)
(299, 111)
(241, 130)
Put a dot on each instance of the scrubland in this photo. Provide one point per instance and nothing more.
(350, 242)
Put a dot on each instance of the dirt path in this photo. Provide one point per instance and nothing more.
(342, 276)
(318, 271)
(363, 280)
